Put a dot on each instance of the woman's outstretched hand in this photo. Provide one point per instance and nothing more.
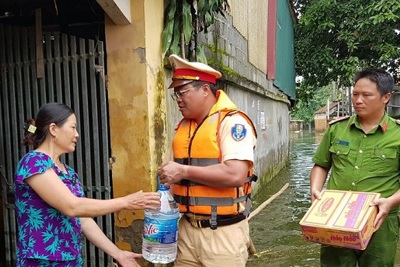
(143, 200)
(128, 259)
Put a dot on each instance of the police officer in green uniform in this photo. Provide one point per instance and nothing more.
(362, 154)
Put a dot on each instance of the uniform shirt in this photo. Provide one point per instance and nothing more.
(44, 232)
(233, 147)
(361, 162)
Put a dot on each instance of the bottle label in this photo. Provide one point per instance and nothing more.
(160, 231)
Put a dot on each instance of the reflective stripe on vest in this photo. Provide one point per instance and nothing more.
(197, 162)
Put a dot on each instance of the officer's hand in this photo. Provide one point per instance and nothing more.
(315, 194)
(384, 206)
(171, 172)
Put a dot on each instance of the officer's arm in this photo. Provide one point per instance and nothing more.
(318, 177)
(230, 173)
(394, 200)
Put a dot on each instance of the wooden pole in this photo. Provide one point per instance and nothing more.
(268, 201)
(252, 248)
(39, 44)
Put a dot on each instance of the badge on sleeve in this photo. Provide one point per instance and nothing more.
(238, 132)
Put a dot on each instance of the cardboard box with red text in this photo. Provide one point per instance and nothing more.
(341, 218)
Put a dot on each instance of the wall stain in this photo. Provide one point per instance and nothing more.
(160, 117)
(141, 52)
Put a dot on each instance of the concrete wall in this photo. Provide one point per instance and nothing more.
(249, 88)
(249, 18)
(296, 125)
(321, 123)
(272, 122)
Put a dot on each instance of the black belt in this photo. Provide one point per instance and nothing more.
(221, 221)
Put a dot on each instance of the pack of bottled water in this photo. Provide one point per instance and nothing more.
(160, 231)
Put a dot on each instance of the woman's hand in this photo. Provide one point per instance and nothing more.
(128, 259)
(143, 200)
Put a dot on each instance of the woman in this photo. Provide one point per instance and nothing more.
(51, 208)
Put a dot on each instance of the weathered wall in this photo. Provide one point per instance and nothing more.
(296, 125)
(137, 110)
(249, 18)
(320, 122)
(272, 122)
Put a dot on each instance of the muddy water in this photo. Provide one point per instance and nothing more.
(275, 230)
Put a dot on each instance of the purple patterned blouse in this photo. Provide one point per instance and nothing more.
(44, 233)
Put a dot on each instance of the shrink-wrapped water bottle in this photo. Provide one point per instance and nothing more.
(160, 231)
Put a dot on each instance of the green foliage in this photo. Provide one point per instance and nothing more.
(187, 22)
(169, 22)
(310, 99)
(335, 38)
(184, 19)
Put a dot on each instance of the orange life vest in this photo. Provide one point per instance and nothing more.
(200, 146)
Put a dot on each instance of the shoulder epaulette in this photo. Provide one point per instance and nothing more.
(397, 121)
(339, 119)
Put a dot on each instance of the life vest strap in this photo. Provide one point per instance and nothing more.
(221, 221)
(187, 182)
(208, 201)
(247, 209)
(197, 161)
(252, 178)
(213, 221)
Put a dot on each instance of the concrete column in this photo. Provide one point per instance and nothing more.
(136, 95)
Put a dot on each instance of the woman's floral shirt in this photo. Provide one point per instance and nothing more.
(44, 232)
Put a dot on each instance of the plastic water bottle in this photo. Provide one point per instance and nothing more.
(160, 231)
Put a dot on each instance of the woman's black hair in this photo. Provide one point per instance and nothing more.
(49, 113)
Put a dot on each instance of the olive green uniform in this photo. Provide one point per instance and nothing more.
(368, 163)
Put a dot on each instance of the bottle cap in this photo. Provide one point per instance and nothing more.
(163, 187)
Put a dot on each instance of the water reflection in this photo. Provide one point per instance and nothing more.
(275, 230)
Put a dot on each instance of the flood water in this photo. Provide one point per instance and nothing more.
(275, 231)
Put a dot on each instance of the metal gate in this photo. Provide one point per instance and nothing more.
(54, 68)
(393, 107)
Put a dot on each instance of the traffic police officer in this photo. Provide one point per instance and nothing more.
(212, 170)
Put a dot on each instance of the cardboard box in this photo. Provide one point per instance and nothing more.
(341, 218)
